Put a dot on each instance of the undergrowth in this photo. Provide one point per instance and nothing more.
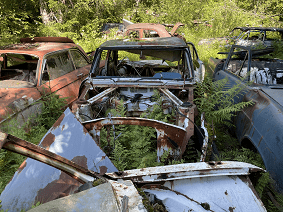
(134, 146)
(216, 100)
(219, 110)
(32, 131)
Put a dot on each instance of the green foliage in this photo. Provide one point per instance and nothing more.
(156, 111)
(23, 210)
(217, 102)
(132, 146)
(18, 19)
(33, 131)
(278, 49)
(52, 107)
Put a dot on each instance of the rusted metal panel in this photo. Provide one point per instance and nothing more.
(98, 199)
(194, 186)
(168, 135)
(186, 171)
(266, 138)
(39, 182)
(209, 192)
(221, 193)
(160, 29)
(46, 39)
(33, 151)
(127, 196)
(174, 29)
(25, 79)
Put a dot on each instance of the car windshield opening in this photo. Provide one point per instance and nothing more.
(143, 63)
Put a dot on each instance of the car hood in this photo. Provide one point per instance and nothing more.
(275, 92)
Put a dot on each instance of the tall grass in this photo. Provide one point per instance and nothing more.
(32, 131)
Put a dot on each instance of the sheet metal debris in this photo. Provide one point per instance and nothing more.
(35, 181)
(220, 185)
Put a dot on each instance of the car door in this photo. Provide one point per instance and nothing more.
(63, 73)
(197, 63)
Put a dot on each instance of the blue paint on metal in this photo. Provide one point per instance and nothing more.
(70, 140)
(262, 122)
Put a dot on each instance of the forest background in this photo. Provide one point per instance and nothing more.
(81, 20)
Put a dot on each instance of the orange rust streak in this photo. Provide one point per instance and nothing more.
(33, 151)
(174, 133)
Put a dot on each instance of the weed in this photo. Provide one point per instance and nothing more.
(32, 131)
(217, 102)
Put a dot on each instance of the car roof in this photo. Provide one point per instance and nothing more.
(147, 43)
(39, 46)
(157, 27)
(260, 28)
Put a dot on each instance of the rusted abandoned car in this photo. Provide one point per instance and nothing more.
(150, 30)
(248, 36)
(258, 127)
(38, 66)
(134, 72)
(254, 36)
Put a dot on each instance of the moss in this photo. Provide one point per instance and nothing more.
(97, 182)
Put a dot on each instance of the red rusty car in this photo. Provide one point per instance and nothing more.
(149, 30)
(38, 66)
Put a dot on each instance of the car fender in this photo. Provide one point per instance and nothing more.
(260, 123)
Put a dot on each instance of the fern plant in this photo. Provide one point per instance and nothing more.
(217, 102)
(133, 146)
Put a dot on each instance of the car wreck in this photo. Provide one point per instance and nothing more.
(254, 36)
(75, 158)
(248, 36)
(258, 127)
(151, 30)
(35, 67)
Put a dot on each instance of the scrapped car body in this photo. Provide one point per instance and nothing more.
(258, 127)
(248, 36)
(77, 161)
(254, 36)
(35, 67)
(150, 30)
(134, 71)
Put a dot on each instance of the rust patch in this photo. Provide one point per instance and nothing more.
(48, 140)
(80, 160)
(85, 130)
(102, 170)
(62, 187)
(231, 209)
(260, 141)
(58, 122)
(121, 174)
(22, 166)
